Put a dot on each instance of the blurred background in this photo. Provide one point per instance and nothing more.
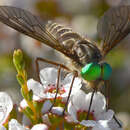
(82, 16)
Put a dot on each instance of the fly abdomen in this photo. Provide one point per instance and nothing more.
(64, 35)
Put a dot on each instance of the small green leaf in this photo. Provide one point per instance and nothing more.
(38, 106)
(30, 95)
(23, 94)
(20, 79)
(29, 111)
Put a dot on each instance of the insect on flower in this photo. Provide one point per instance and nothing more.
(86, 57)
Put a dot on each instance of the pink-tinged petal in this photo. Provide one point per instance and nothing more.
(46, 106)
(40, 127)
(6, 106)
(48, 75)
(14, 125)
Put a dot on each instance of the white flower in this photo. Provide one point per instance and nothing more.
(81, 101)
(102, 119)
(48, 76)
(6, 106)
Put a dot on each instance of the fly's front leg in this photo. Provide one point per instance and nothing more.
(107, 93)
(58, 75)
(72, 82)
(57, 88)
(39, 59)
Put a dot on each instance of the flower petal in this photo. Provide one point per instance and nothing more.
(23, 104)
(78, 100)
(67, 83)
(114, 125)
(14, 125)
(26, 121)
(46, 106)
(102, 125)
(57, 110)
(48, 75)
(88, 123)
(98, 103)
(105, 115)
(72, 111)
(36, 87)
(45, 119)
(6, 106)
(40, 127)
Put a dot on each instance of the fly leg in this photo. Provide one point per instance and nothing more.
(72, 82)
(107, 95)
(91, 100)
(58, 75)
(38, 59)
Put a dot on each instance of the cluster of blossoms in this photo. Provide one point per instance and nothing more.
(37, 109)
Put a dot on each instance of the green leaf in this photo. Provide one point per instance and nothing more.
(30, 95)
(20, 79)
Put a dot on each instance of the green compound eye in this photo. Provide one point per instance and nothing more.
(91, 71)
(106, 71)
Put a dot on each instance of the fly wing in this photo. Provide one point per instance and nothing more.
(28, 24)
(113, 26)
